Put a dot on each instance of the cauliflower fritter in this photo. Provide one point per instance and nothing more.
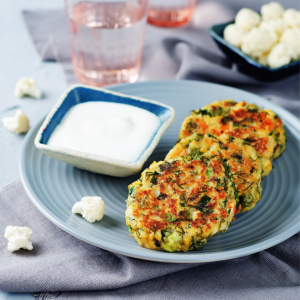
(212, 173)
(245, 167)
(260, 128)
(178, 204)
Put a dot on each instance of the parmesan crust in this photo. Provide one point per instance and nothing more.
(211, 174)
(178, 204)
(246, 167)
(261, 128)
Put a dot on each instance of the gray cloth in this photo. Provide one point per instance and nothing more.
(181, 53)
(67, 268)
(60, 262)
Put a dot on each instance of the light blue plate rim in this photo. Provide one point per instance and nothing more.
(193, 257)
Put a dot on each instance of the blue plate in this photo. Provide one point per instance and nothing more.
(246, 64)
(54, 186)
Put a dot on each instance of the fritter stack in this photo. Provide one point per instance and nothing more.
(212, 173)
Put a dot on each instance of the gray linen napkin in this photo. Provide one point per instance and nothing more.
(60, 262)
(67, 268)
(181, 53)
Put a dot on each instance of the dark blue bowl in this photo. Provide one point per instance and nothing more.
(247, 65)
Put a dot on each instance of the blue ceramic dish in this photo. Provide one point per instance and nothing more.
(95, 163)
(247, 65)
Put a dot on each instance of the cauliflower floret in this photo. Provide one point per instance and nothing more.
(91, 208)
(281, 54)
(259, 42)
(27, 87)
(19, 123)
(271, 11)
(263, 59)
(291, 36)
(278, 26)
(234, 35)
(247, 18)
(18, 237)
(292, 17)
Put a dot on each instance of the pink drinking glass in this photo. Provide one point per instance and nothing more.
(106, 39)
(171, 13)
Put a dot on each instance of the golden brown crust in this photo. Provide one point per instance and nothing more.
(245, 166)
(178, 204)
(212, 173)
(261, 128)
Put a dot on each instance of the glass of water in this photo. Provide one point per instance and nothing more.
(106, 39)
(171, 13)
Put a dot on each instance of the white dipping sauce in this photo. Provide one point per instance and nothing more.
(108, 129)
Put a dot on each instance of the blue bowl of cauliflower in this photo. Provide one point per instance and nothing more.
(265, 46)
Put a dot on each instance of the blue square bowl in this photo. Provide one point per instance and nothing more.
(95, 163)
(246, 64)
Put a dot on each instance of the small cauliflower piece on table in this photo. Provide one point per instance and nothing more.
(18, 237)
(247, 19)
(26, 86)
(271, 11)
(259, 42)
(282, 54)
(235, 35)
(19, 123)
(91, 208)
(292, 17)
